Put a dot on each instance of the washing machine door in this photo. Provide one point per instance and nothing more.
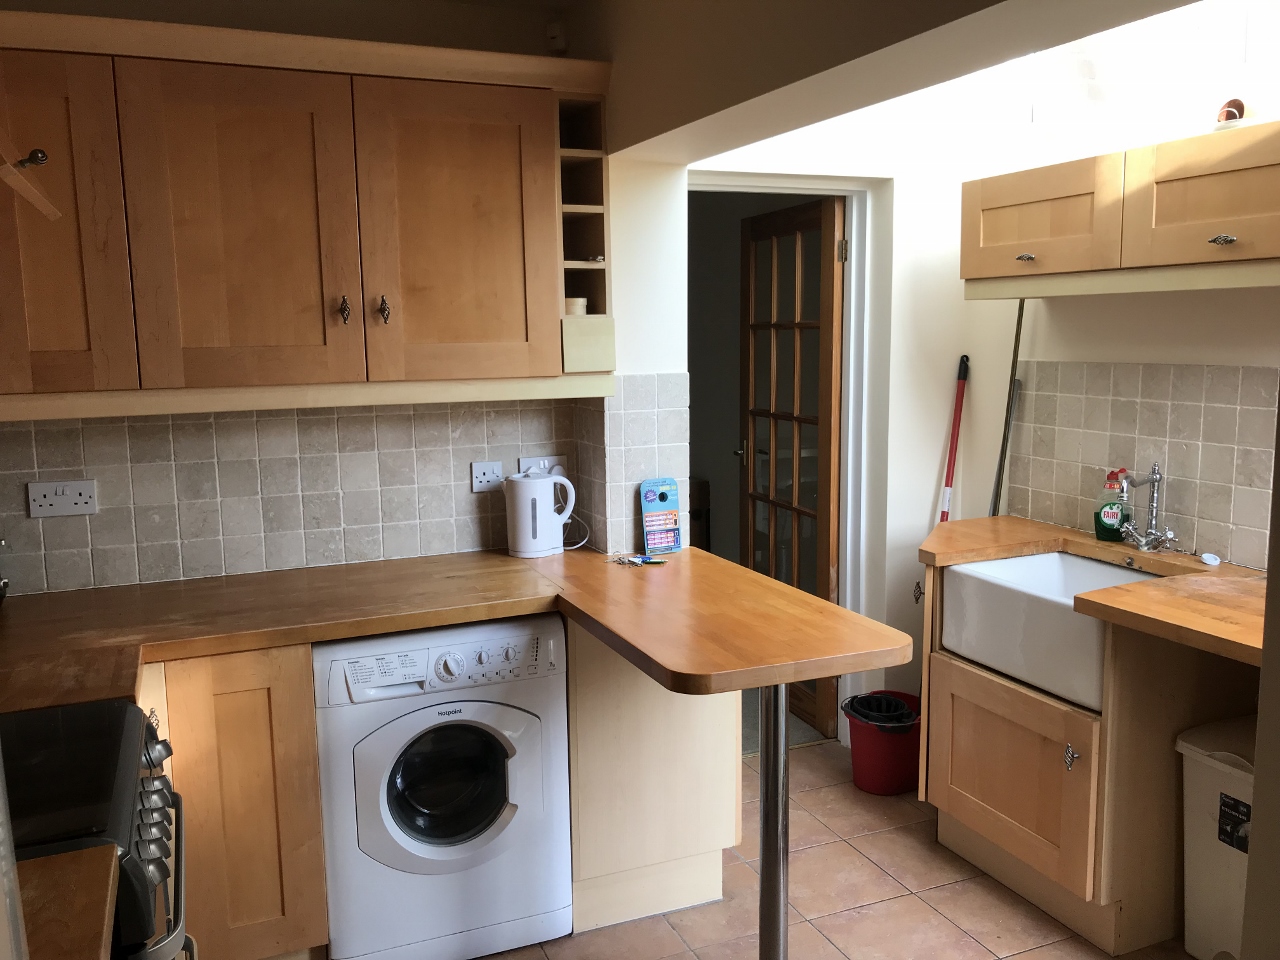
(448, 786)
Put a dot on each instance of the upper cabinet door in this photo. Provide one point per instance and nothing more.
(242, 224)
(1059, 219)
(66, 312)
(458, 229)
(1208, 199)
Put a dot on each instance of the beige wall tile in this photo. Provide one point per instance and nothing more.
(1256, 427)
(1126, 380)
(323, 547)
(150, 443)
(1259, 386)
(159, 561)
(284, 550)
(202, 558)
(1250, 508)
(1187, 383)
(1222, 385)
(1097, 379)
(115, 565)
(1249, 547)
(197, 481)
(193, 441)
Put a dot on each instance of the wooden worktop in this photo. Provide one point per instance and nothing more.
(700, 624)
(1217, 609)
(68, 902)
(697, 624)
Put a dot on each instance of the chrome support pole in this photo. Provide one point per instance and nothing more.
(773, 822)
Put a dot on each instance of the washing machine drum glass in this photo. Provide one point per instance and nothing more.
(449, 785)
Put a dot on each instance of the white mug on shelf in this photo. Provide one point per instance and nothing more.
(575, 306)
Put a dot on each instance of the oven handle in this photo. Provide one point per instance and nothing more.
(176, 940)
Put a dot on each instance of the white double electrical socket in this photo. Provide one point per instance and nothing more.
(486, 475)
(542, 464)
(62, 498)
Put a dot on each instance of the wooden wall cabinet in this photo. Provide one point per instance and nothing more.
(1209, 199)
(66, 311)
(241, 193)
(1057, 219)
(458, 229)
(243, 729)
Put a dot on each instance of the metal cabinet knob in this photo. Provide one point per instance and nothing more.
(1223, 239)
(384, 308)
(1025, 257)
(344, 310)
(36, 158)
(1069, 756)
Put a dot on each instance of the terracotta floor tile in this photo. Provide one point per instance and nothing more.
(523, 953)
(913, 856)
(649, 939)
(905, 928)
(924, 805)
(750, 783)
(734, 917)
(995, 916)
(803, 943)
(819, 765)
(850, 812)
(834, 877)
(730, 856)
(1074, 949)
(803, 830)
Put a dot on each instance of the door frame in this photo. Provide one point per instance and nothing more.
(864, 379)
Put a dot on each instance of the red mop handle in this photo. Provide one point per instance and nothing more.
(962, 378)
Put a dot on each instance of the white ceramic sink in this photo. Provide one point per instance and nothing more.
(1016, 616)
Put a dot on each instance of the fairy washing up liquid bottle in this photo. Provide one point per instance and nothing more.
(1112, 511)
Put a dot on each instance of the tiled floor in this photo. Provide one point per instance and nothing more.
(868, 882)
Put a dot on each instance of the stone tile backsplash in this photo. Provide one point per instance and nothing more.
(1211, 428)
(206, 494)
(202, 495)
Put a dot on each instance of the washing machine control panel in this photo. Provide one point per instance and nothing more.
(477, 664)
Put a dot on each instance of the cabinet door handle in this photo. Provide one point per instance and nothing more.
(1025, 257)
(1223, 239)
(1069, 756)
(36, 157)
(344, 310)
(384, 308)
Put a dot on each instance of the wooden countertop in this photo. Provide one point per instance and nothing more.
(697, 624)
(1218, 609)
(68, 903)
(700, 624)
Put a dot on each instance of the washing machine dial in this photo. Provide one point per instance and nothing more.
(510, 654)
(483, 657)
(449, 667)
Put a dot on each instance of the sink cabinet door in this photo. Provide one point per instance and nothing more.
(245, 759)
(998, 764)
(1059, 219)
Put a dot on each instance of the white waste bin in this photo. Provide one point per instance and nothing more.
(1217, 806)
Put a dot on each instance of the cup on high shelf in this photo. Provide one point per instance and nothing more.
(575, 306)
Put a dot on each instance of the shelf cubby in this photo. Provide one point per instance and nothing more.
(581, 125)
(589, 282)
(581, 180)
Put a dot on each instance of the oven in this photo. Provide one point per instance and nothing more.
(91, 774)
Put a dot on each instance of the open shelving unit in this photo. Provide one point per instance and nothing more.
(584, 236)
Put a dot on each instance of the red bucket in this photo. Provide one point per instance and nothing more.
(886, 754)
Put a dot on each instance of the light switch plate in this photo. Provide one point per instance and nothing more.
(62, 498)
(542, 464)
(486, 475)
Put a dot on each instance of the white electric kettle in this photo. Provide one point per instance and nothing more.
(534, 527)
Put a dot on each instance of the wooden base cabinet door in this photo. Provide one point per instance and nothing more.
(243, 729)
(242, 224)
(1018, 766)
(1209, 199)
(1058, 219)
(458, 229)
(66, 310)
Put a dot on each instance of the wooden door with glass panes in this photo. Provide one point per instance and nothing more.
(793, 308)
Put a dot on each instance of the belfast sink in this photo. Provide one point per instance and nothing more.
(1015, 616)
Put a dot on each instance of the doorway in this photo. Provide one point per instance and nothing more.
(766, 310)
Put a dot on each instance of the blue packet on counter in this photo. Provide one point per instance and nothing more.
(660, 512)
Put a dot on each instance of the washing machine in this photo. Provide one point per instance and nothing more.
(444, 779)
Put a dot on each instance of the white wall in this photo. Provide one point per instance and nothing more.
(1126, 88)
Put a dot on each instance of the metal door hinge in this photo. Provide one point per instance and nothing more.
(842, 251)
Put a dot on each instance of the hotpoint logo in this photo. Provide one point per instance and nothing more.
(449, 713)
